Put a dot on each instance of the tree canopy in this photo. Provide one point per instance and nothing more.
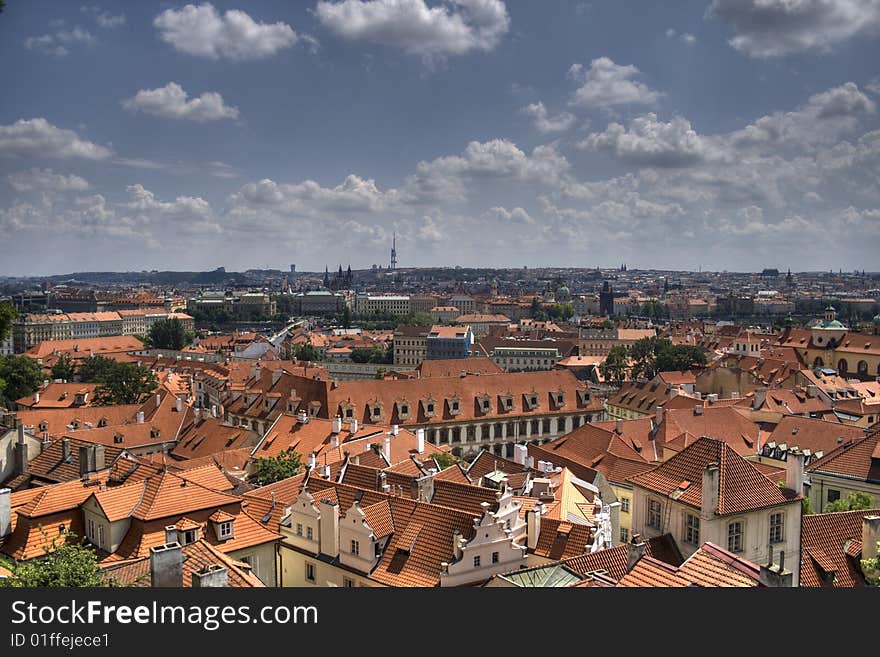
(7, 314)
(856, 501)
(125, 383)
(305, 351)
(64, 368)
(269, 469)
(20, 376)
(169, 334)
(95, 368)
(372, 355)
(71, 564)
(615, 365)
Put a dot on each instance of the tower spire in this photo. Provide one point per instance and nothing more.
(394, 251)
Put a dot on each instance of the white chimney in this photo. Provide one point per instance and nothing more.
(5, 512)
(158, 399)
(794, 471)
(37, 397)
(179, 406)
(337, 425)
(328, 528)
(395, 429)
(520, 452)
(711, 482)
(712, 398)
(533, 525)
(334, 440)
(313, 459)
(140, 417)
(213, 410)
(325, 471)
(420, 441)
(618, 427)
(698, 409)
(659, 413)
(870, 536)
(353, 427)
(388, 448)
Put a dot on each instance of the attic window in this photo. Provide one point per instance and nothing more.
(102, 422)
(190, 536)
(224, 530)
(349, 413)
(377, 411)
(486, 405)
(560, 399)
(533, 400)
(44, 426)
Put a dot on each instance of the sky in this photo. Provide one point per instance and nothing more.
(716, 134)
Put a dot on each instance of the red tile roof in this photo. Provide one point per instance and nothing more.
(825, 538)
(857, 460)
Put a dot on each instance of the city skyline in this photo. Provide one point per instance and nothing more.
(478, 132)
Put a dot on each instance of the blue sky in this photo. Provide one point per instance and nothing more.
(726, 134)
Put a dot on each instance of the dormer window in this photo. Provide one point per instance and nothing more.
(224, 530)
(485, 404)
(430, 406)
(102, 422)
(507, 402)
(403, 410)
(376, 411)
(44, 426)
(560, 399)
(454, 406)
(190, 536)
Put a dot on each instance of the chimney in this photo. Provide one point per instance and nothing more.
(520, 452)
(211, 576)
(870, 535)
(166, 565)
(353, 427)
(328, 528)
(140, 417)
(711, 481)
(395, 429)
(659, 413)
(313, 459)
(812, 390)
(775, 576)
(37, 397)
(276, 375)
(420, 441)
(698, 395)
(213, 410)
(794, 471)
(158, 399)
(618, 427)
(65, 449)
(5, 512)
(85, 455)
(325, 471)
(179, 406)
(698, 409)
(98, 457)
(170, 534)
(456, 545)
(337, 425)
(20, 453)
(760, 398)
(712, 398)
(635, 550)
(388, 448)
(533, 525)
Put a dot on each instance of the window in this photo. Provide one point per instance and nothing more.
(349, 413)
(654, 514)
(624, 535)
(624, 504)
(299, 529)
(477, 561)
(310, 572)
(100, 536)
(777, 526)
(90, 530)
(348, 583)
(495, 557)
(404, 409)
(833, 495)
(377, 411)
(225, 530)
(355, 547)
(455, 407)
(430, 408)
(692, 529)
(508, 403)
(309, 534)
(735, 537)
(189, 536)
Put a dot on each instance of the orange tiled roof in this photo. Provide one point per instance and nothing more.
(824, 541)
(742, 487)
(859, 460)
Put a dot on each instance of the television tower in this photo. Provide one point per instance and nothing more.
(394, 252)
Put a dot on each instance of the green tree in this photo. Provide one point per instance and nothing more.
(361, 355)
(169, 334)
(63, 368)
(305, 351)
(269, 469)
(125, 383)
(71, 564)
(7, 314)
(346, 318)
(95, 368)
(615, 365)
(680, 357)
(853, 502)
(444, 459)
(871, 568)
(20, 376)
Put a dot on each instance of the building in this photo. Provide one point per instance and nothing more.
(709, 493)
(410, 345)
(447, 342)
(480, 324)
(139, 322)
(606, 300)
(318, 303)
(388, 304)
(442, 314)
(599, 341)
(854, 467)
(833, 546)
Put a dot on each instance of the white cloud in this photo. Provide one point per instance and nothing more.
(187, 215)
(449, 177)
(652, 143)
(39, 138)
(874, 86)
(545, 123)
(822, 119)
(58, 43)
(203, 32)
(453, 28)
(607, 84)
(686, 38)
(102, 18)
(515, 216)
(773, 28)
(39, 180)
(172, 102)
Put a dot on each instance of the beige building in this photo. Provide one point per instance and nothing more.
(391, 304)
(410, 345)
(708, 492)
(598, 342)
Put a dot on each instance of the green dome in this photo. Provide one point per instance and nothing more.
(831, 326)
(876, 319)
